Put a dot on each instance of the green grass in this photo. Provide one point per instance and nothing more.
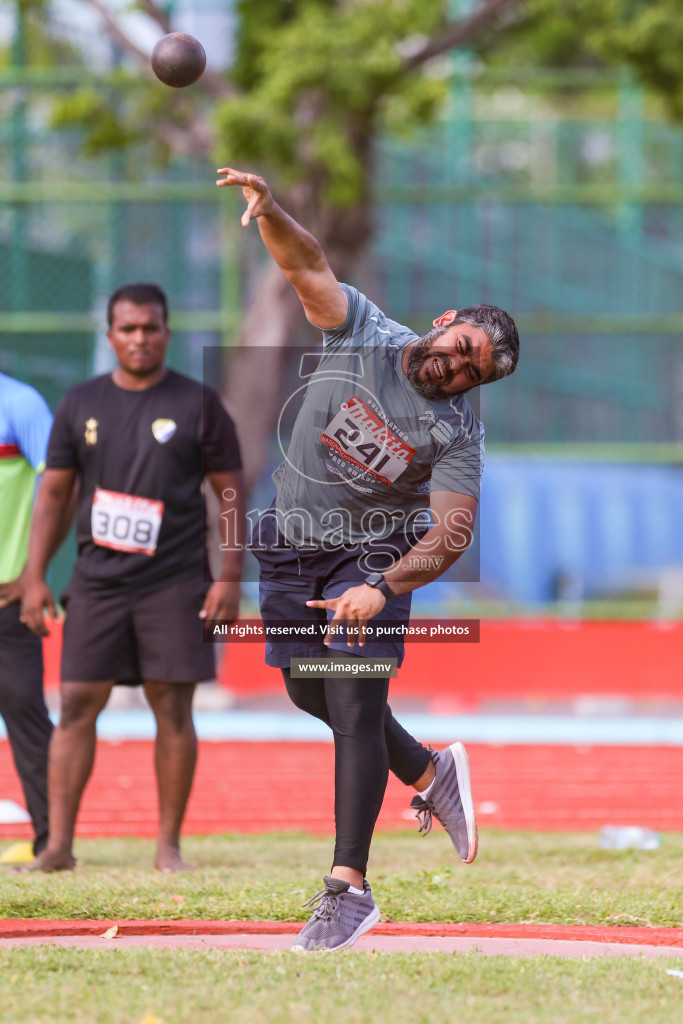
(518, 877)
(553, 878)
(138, 986)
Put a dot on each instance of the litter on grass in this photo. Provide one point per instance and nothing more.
(628, 837)
(18, 853)
(12, 814)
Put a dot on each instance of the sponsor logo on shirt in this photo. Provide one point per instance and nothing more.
(440, 429)
(91, 426)
(164, 430)
(361, 438)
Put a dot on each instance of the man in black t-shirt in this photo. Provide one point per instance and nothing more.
(137, 443)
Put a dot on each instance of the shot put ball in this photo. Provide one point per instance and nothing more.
(178, 60)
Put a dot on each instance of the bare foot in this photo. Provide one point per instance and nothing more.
(48, 862)
(170, 861)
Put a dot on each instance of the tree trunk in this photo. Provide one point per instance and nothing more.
(254, 370)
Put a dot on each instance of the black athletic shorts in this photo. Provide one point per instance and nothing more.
(131, 637)
(289, 578)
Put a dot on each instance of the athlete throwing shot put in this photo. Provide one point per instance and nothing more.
(138, 443)
(382, 471)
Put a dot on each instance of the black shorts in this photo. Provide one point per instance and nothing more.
(131, 637)
(289, 578)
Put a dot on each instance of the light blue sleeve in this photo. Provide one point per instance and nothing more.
(32, 422)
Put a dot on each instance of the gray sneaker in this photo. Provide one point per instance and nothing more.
(450, 801)
(339, 919)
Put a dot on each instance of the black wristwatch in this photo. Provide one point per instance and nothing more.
(376, 580)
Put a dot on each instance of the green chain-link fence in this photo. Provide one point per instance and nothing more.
(558, 198)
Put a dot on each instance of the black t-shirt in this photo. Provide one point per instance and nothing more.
(141, 457)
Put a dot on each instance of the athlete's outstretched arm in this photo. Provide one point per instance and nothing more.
(440, 547)
(50, 523)
(297, 253)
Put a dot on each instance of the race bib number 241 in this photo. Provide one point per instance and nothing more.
(361, 438)
(125, 523)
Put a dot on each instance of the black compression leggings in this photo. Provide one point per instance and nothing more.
(368, 741)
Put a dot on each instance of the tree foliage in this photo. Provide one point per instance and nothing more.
(645, 36)
(314, 81)
(312, 85)
(320, 82)
(40, 45)
(92, 110)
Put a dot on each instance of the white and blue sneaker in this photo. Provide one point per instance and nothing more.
(450, 801)
(339, 919)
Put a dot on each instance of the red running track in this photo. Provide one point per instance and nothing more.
(422, 937)
(22, 928)
(291, 784)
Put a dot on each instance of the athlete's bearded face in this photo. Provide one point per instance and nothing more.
(449, 360)
(139, 337)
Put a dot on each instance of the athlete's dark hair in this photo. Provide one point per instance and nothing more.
(139, 295)
(501, 331)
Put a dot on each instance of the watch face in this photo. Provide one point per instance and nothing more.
(374, 579)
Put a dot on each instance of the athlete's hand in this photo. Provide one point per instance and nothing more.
(354, 607)
(12, 591)
(222, 602)
(37, 597)
(254, 189)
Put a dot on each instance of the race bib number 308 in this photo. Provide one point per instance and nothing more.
(125, 523)
(360, 437)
